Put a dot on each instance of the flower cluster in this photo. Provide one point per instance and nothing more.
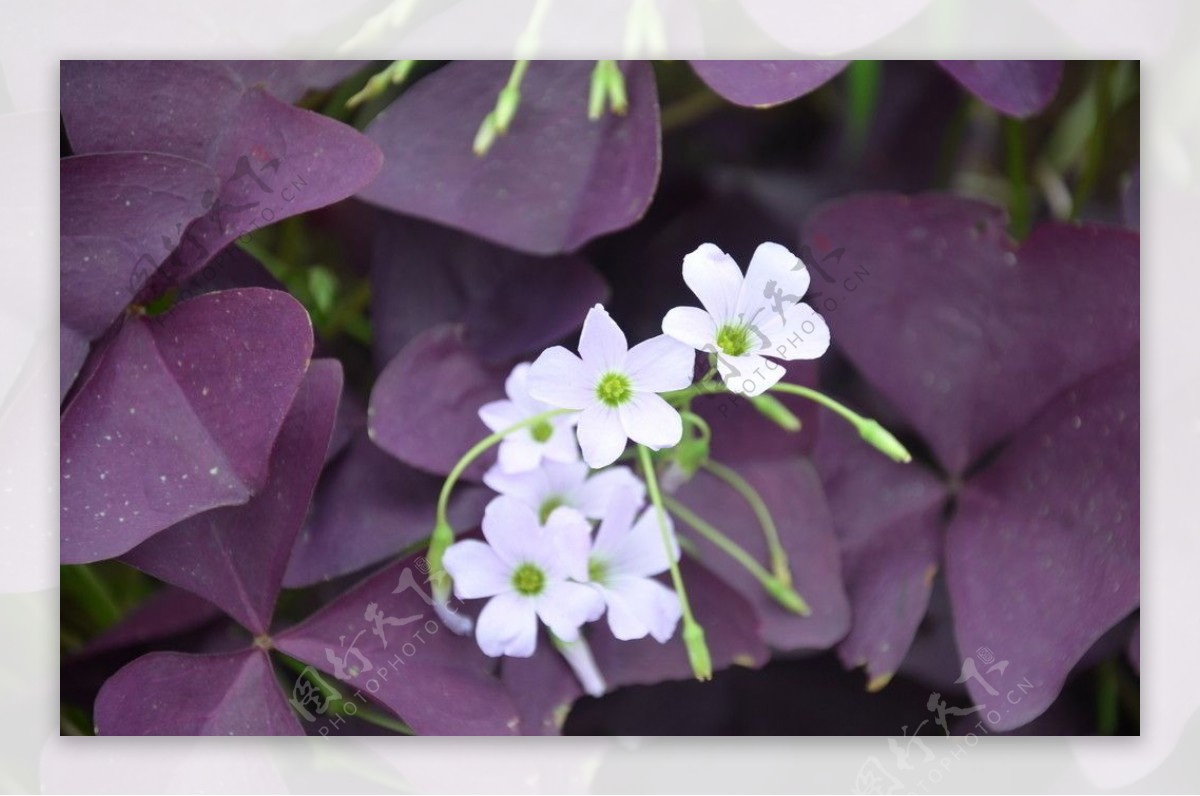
(541, 560)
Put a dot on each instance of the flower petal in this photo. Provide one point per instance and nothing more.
(566, 540)
(519, 454)
(516, 387)
(715, 279)
(511, 528)
(566, 480)
(477, 570)
(507, 626)
(800, 333)
(775, 279)
(617, 522)
(601, 489)
(691, 326)
(749, 375)
(660, 364)
(527, 487)
(602, 344)
(650, 420)
(641, 552)
(561, 447)
(566, 606)
(601, 435)
(559, 378)
(637, 606)
(499, 415)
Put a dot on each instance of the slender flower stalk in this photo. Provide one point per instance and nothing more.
(335, 700)
(578, 656)
(393, 74)
(783, 593)
(779, 559)
(443, 533)
(870, 430)
(496, 123)
(607, 87)
(693, 633)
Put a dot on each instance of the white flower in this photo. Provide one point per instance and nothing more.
(568, 484)
(524, 450)
(746, 319)
(625, 555)
(528, 569)
(615, 387)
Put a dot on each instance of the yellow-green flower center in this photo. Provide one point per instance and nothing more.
(734, 339)
(597, 570)
(548, 507)
(614, 389)
(528, 580)
(541, 431)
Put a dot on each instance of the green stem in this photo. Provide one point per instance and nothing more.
(350, 307)
(693, 634)
(681, 113)
(497, 122)
(335, 700)
(1019, 203)
(700, 423)
(382, 720)
(865, 78)
(783, 593)
(1096, 146)
(481, 447)
(607, 87)
(443, 534)
(92, 594)
(393, 74)
(703, 387)
(870, 430)
(779, 559)
(707, 378)
(952, 143)
(1107, 703)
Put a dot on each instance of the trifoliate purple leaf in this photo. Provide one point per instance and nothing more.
(1042, 554)
(235, 556)
(178, 417)
(382, 637)
(174, 693)
(966, 333)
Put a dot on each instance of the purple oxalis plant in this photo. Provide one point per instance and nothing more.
(348, 537)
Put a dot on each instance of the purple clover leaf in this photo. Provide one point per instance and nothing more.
(554, 181)
(273, 160)
(994, 354)
(178, 416)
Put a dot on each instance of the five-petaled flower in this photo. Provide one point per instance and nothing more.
(625, 556)
(550, 438)
(615, 387)
(570, 484)
(748, 318)
(530, 571)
